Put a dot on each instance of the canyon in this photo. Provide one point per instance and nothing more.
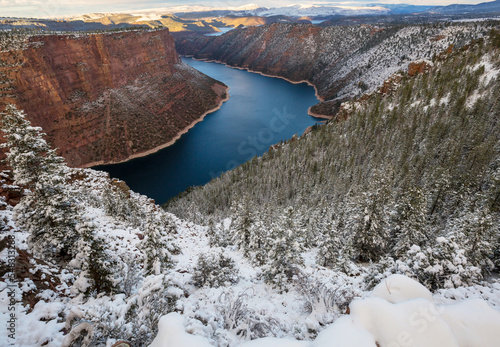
(342, 62)
(108, 97)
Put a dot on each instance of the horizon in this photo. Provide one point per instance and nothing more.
(62, 8)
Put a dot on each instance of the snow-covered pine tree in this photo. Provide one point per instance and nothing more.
(217, 237)
(475, 232)
(97, 265)
(48, 211)
(284, 256)
(336, 248)
(259, 243)
(368, 220)
(411, 221)
(29, 156)
(329, 245)
(443, 263)
(242, 227)
(215, 270)
(156, 250)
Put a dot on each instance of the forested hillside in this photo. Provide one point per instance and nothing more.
(341, 61)
(409, 178)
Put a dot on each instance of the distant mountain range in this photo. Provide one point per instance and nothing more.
(207, 19)
(326, 11)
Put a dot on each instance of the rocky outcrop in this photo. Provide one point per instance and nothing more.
(106, 98)
(418, 67)
(340, 61)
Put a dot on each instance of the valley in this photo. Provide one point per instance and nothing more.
(377, 227)
(260, 112)
(341, 61)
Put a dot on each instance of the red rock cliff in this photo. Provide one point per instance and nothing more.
(107, 97)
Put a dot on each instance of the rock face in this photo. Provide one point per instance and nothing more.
(340, 61)
(105, 98)
(418, 67)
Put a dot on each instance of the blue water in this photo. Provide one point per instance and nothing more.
(260, 112)
(222, 31)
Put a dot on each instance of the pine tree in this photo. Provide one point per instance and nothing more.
(368, 218)
(284, 257)
(96, 263)
(215, 270)
(411, 221)
(259, 243)
(475, 232)
(49, 211)
(29, 156)
(156, 249)
(330, 245)
(442, 264)
(242, 227)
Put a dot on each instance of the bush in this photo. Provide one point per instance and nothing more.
(215, 270)
(244, 321)
(442, 265)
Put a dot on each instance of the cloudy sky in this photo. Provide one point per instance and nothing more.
(59, 8)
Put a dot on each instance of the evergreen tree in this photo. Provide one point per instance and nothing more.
(369, 222)
(443, 264)
(29, 156)
(475, 232)
(215, 270)
(157, 251)
(259, 243)
(96, 263)
(284, 257)
(411, 221)
(330, 245)
(242, 227)
(216, 236)
(49, 211)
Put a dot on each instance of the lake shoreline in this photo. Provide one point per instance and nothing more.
(254, 118)
(316, 93)
(221, 101)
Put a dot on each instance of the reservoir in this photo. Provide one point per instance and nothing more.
(261, 111)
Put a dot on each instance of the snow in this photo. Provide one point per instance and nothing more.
(321, 11)
(471, 20)
(346, 332)
(171, 334)
(400, 312)
(310, 310)
(398, 288)
(473, 322)
(275, 342)
(392, 312)
(148, 17)
(412, 322)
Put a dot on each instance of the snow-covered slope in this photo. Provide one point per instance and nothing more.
(322, 11)
(380, 319)
(231, 314)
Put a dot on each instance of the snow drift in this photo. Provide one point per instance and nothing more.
(399, 312)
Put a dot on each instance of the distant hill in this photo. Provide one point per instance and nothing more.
(485, 7)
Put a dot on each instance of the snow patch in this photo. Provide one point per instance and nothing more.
(398, 288)
(171, 333)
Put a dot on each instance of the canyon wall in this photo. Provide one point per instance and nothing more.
(104, 98)
(340, 61)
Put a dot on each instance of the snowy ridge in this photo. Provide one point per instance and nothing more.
(407, 45)
(322, 11)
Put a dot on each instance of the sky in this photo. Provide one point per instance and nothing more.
(60, 8)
